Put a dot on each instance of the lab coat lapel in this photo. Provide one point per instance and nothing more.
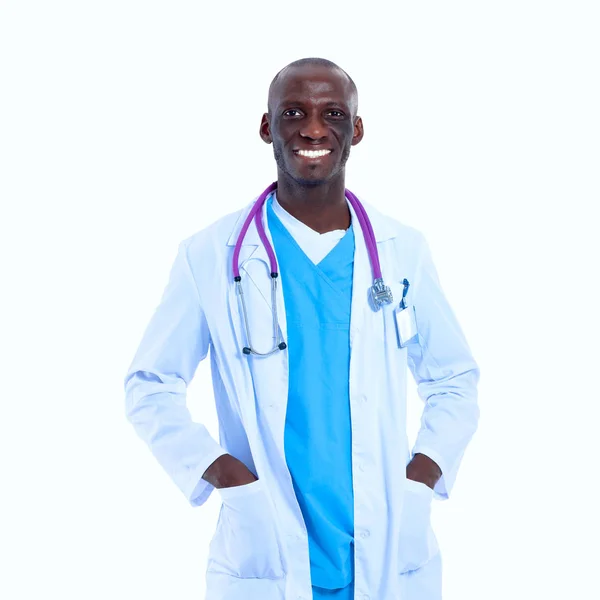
(361, 281)
(256, 283)
(268, 374)
(363, 318)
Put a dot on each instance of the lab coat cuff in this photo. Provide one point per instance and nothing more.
(200, 489)
(441, 489)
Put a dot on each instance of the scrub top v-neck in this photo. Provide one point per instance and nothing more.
(317, 438)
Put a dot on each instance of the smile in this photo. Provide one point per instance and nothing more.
(312, 153)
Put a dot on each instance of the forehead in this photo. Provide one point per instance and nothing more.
(311, 82)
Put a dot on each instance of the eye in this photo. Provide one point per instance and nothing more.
(290, 110)
(338, 113)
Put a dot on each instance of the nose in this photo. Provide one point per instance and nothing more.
(314, 127)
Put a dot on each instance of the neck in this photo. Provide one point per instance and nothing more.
(321, 207)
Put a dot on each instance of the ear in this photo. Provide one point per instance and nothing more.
(358, 131)
(265, 129)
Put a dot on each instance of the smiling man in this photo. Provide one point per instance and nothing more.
(322, 497)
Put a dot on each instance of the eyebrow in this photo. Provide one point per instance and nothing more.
(327, 104)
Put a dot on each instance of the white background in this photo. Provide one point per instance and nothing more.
(126, 126)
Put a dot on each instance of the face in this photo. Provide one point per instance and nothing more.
(311, 124)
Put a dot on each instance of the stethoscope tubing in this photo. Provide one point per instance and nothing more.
(256, 214)
(238, 245)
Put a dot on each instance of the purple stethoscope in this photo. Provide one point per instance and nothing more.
(380, 293)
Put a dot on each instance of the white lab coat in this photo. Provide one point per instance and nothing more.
(260, 547)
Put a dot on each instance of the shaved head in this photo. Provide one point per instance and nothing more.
(312, 62)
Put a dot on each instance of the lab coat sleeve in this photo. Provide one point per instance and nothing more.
(175, 341)
(446, 375)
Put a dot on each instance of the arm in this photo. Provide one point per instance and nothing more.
(446, 375)
(175, 341)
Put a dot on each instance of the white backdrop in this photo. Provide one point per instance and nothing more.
(126, 126)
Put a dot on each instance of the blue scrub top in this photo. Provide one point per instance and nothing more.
(318, 429)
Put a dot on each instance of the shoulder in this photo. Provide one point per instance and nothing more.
(386, 226)
(205, 244)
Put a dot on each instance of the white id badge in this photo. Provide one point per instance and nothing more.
(406, 324)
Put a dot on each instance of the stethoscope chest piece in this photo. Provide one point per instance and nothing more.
(380, 294)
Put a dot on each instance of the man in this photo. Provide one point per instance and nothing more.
(322, 496)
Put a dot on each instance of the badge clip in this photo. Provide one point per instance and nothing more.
(406, 320)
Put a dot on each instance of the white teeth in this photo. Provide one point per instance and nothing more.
(313, 153)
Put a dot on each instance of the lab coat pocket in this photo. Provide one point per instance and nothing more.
(418, 543)
(245, 542)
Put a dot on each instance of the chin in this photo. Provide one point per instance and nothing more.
(308, 180)
(311, 182)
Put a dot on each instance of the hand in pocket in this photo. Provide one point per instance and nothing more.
(245, 543)
(417, 544)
